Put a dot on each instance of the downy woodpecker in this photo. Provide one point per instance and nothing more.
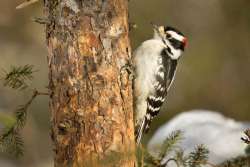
(155, 62)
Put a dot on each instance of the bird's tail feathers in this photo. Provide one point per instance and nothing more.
(140, 131)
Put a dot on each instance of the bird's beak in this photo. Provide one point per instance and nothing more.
(158, 29)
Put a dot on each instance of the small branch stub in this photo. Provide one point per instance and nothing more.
(26, 3)
(41, 20)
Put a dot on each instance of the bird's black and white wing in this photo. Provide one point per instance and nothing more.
(164, 76)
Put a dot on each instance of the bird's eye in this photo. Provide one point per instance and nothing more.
(168, 35)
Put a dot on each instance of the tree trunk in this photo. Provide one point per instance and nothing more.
(91, 94)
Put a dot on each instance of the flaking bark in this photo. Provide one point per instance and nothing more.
(91, 94)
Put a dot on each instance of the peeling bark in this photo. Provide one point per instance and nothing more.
(91, 94)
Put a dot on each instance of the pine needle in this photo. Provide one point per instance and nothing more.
(181, 158)
(17, 77)
(21, 116)
(170, 143)
(241, 161)
(198, 157)
(11, 142)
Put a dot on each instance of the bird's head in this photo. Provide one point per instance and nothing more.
(173, 38)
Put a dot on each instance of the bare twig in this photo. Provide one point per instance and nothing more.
(35, 94)
(26, 3)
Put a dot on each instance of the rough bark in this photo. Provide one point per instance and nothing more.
(91, 94)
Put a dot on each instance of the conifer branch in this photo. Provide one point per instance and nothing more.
(198, 157)
(21, 112)
(11, 141)
(145, 159)
(241, 161)
(180, 158)
(18, 77)
(169, 143)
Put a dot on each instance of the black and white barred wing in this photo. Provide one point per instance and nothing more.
(164, 79)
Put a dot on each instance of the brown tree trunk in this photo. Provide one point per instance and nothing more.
(91, 94)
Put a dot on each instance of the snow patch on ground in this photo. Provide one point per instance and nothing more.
(221, 135)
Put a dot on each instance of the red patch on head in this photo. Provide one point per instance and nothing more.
(184, 42)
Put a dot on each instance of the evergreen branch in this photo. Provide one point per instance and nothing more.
(17, 77)
(241, 161)
(170, 143)
(21, 112)
(181, 159)
(150, 160)
(11, 141)
(145, 159)
(21, 115)
(198, 157)
(16, 145)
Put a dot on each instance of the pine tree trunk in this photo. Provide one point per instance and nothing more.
(91, 94)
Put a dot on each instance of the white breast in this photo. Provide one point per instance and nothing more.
(146, 62)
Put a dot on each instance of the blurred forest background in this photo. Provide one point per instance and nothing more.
(213, 73)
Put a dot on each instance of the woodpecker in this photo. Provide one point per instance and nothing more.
(155, 62)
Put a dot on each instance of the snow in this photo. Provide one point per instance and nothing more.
(219, 134)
